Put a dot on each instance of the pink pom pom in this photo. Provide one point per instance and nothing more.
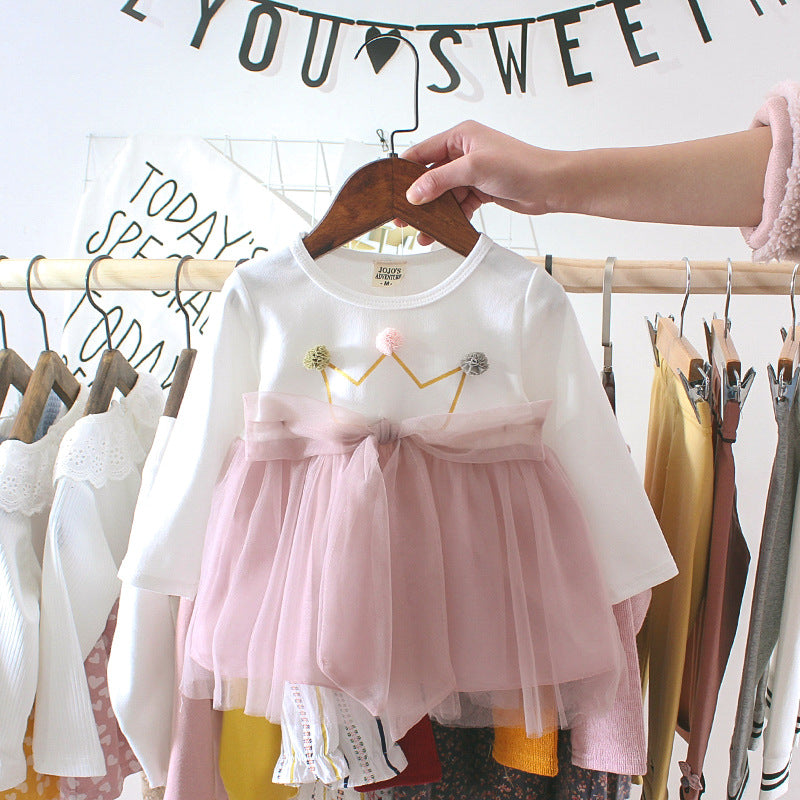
(388, 340)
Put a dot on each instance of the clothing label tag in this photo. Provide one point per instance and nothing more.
(388, 273)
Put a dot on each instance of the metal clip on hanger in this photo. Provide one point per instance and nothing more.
(376, 193)
(13, 370)
(607, 374)
(114, 370)
(185, 362)
(723, 356)
(784, 384)
(50, 374)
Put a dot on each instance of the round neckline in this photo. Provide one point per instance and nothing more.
(339, 290)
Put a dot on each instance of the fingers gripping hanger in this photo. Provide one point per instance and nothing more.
(13, 370)
(784, 385)
(114, 370)
(376, 193)
(670, 344)
(723, 356)
(183, 367)
(50, 374)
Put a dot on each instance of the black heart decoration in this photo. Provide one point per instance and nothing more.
(381, 50)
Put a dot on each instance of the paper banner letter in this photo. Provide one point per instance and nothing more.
(130, 9)
(700, 21)
(629, 28)
(333, 35)
(561, 19)
(439, 34)
(270, 10)
(521, 66)
(206, 14)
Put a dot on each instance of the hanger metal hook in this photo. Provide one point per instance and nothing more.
(3, 319)
(33, 302)
(393, 35)
(728, 290)
(686, 293)
(94, 304)
(608, 282)
(180, 304)
(791, 297)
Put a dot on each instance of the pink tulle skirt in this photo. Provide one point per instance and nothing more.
(440, 565)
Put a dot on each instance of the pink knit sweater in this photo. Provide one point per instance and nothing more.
(778, 233)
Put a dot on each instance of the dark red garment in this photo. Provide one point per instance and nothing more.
(419, 748)
(712, 635)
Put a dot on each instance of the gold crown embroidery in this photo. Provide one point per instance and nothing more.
(388, 342)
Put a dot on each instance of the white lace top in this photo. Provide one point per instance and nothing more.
(96, 476)
(26, 491)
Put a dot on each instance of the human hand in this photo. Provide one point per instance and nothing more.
(482, 165)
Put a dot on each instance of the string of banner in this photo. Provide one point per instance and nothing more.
(264, 22)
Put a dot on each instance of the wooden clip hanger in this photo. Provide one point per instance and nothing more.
(723, 356)
(670, 344)
(183, 368)
(50, 374)
(679, 353)
(114, 370)
(376, 193)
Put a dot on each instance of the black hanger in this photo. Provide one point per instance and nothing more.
(114, 370)
(376, 193)
(183, 368)
(50, 374)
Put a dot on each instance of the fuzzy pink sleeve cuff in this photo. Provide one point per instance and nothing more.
(778, 233)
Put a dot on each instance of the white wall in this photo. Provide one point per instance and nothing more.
(71, 69)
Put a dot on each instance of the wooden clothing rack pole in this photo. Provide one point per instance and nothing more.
(631, 276)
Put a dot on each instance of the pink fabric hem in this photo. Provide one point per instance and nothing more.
(778, 233)
(615, 742)
(406, 564)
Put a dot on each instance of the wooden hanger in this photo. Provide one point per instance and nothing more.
(13, 369)
(13, 372)
(183, 368)
(50, 374)
(114, 370)
(376, 193)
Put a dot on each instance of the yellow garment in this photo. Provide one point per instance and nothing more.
(679, 480)
(36, 786)
(514, 748)
(249, 748)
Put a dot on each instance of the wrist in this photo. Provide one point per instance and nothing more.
(566, 188)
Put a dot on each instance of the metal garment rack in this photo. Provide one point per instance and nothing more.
(574, 274)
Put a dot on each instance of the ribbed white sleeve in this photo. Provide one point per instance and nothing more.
(141, 667)
(166, 542)
(20, 574)
(584, 434)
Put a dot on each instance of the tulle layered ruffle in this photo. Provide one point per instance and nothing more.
(440, 565)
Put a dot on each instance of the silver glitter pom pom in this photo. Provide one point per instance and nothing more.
(474, 363)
